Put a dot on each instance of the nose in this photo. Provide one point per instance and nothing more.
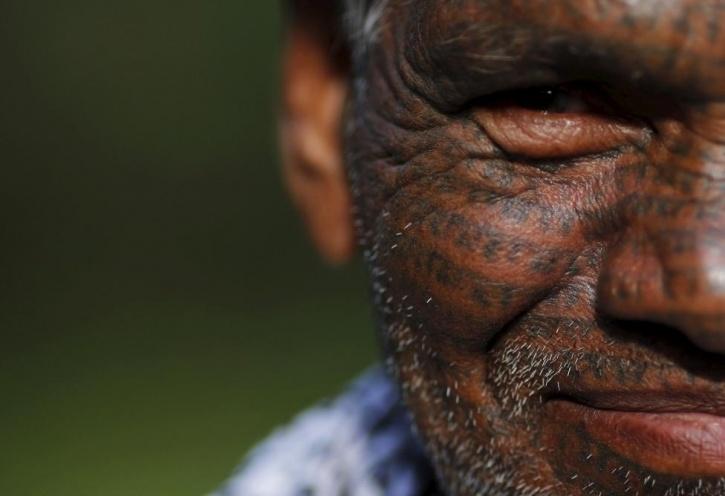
(668, 264)
(669, 276)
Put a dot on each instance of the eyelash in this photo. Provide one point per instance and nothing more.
(567, 98)
(551, 100)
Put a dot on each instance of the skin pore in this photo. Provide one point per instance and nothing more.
(539, 194)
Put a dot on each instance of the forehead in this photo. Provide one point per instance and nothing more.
(673, 46)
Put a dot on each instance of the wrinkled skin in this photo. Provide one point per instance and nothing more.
(540, 194)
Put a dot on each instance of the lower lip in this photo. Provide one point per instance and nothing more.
(683, 444)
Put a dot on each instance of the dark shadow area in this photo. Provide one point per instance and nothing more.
(668, 342)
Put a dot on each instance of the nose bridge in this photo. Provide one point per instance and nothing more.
(682, 210)
(689, 250)
(668, 265)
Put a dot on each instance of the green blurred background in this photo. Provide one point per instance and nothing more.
(161, 309)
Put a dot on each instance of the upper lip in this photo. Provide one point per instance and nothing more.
(651, 401)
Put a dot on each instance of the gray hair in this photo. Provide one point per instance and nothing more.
(362, 23)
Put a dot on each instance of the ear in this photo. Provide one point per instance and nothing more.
(314, 91)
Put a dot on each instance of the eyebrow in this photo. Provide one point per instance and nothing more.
(676, 51)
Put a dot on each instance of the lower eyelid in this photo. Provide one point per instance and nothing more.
(547, 136)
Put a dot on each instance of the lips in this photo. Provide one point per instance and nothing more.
(679, 434)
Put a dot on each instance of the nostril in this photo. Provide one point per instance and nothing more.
(641, 284)
(669, 342)
(645, 333)
(706, 331)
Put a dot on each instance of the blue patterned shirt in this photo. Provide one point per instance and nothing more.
(360, 444)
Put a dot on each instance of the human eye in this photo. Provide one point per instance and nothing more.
(550, 122)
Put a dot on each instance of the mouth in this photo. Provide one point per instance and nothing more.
(670, 433)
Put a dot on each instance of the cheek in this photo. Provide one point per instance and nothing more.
(462, 264)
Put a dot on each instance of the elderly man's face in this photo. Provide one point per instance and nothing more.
(540, 189)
